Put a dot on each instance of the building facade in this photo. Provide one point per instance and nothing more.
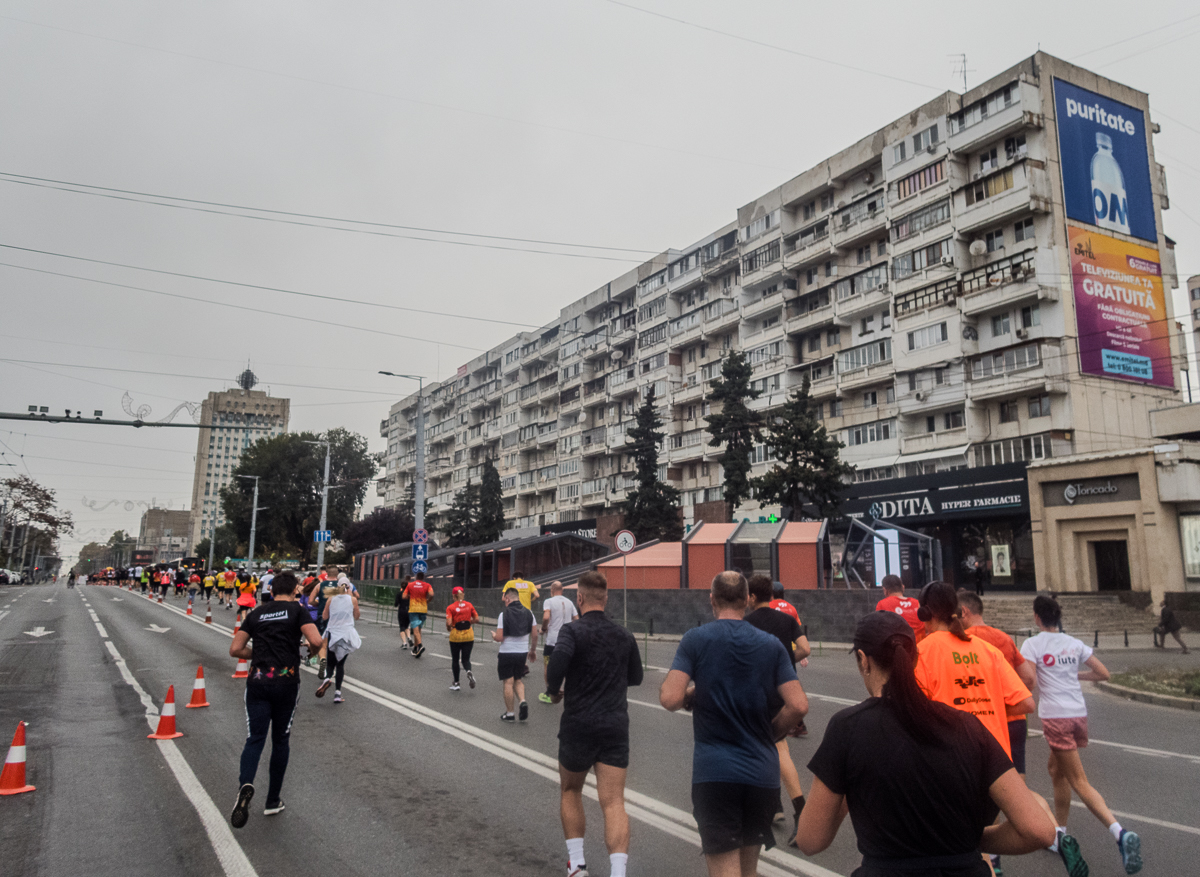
(166, 532)
(231, 420)
(942, 284)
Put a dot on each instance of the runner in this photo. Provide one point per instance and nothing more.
(165, 580)
(272, 689)
(137, 574)
(517, 635)
(527, 590)
(193, 587)
(341, 640)
(144, 580)
(905, 607)
(778, 601)
(460, 621)
(556, 612)
(402, 619)
(209, 582)
(228, 587)
(247, 588)
(599, 660)
(265, 585)
(1063, 712)
(741, 676)
(181, 579)
(418, 593)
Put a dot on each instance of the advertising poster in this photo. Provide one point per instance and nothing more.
(1105, 165)
(1120, 309)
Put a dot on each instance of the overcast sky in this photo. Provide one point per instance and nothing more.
(586, 122)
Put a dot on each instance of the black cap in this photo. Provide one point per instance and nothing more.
(877, 628)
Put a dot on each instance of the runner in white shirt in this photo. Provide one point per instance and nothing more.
(264, 585)
(1058, 658)
(556, 611)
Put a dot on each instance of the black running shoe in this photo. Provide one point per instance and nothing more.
(241, 808)
(470, 678)
(523, 714)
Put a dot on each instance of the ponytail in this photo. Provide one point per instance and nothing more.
(1048, 611)
(904, 696)
(939, 601)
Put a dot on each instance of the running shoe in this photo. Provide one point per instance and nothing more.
(241, 808)
(273, 809)
(996, 869)
(507, 717)
(545, 698)
(337, 697)
(321, 671)
(578, 871)
(323, 687)
(454, 686)
(1130, 846)
(470, 678)
(418, 650)
(1072, 858)
(524, 711)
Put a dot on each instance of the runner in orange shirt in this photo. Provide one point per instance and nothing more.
(966, 672)
(905, 607)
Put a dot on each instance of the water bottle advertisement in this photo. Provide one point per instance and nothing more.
(1105, 165)
(1120, 309)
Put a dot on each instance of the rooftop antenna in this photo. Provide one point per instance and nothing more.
(247, 379)
(960, 66)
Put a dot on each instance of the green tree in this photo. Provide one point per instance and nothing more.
(652, 508)
(91, 558)
(33, 508)
(382, 527)
(734, 425)
(290, 477)
(409, 504)
(226, 545)
(491, 504)
(808, 468)
(462, 521)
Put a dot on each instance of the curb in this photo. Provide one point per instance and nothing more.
(1179, 703)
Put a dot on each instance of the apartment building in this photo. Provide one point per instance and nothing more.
(231, 421)
(165, 532)
(936, 282)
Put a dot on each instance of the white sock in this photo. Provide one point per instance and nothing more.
(617, 862)
(1115, 831)
(574, 852)
(1059, 831)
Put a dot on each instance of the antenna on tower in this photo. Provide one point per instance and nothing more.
(247, 379)
(960, 67)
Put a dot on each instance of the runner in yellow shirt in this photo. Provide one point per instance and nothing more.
(527, 591)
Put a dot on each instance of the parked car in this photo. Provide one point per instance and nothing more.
(11, 577)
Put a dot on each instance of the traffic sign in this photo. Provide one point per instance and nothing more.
(420, 552)
(420, 537)
(420, 567)
(322, 535)
(626, 542)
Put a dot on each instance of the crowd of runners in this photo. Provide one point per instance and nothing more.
(947, 698)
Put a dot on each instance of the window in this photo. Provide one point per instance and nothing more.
(1005, 361)
(988, 160)
(922, 179)
(899, 152)
(814, 342)
(865, 355)
(811, 276)
(984, 109)
(927, 336)
(1008, 411)
(770, 321)
(761, 225)
(1033, 447)
(990, 187)
(832, 337)
(1039, 406)
(827, 201)
(953, 419)
(913, 261)
(863, 281)
(931, 423)
(890, 394)
(879, 431)
(764, 353)
(912, 381)
(868, 325)
(836, 408)
(939, 376)
(862, 254)
(761, 257)
(881, 248)
(994, 240)
(830, 268)
(653, 309)
(766, 385)
(1000, 325)
(870, 399)
(919, 220)
(809, 210)
(925, 139)
(1031, 315)
(1014, 147)
(1195, 293)
(1023, 230)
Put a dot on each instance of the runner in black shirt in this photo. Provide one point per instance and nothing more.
(272, 689)
(599, 661)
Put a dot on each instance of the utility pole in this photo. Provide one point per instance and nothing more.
(324, 501)
(419, 481)
(212, 540)
(254, 517)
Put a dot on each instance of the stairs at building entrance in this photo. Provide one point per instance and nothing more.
(1083, 614)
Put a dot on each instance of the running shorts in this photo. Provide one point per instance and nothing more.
(578, 753)
(512, 666)
(1018, 730)
(1066, 734)
(416, 619)
(547, 651)
(733, 815)
(403, 620)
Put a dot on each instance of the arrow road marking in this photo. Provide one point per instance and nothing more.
(154, 628)
(38, 631)
(51, 600)
(116, 599)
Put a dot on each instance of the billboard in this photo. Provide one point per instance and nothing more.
(1105, 165)
(1120, 309)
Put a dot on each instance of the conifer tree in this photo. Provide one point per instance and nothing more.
(734, 425)
(462, 521)
(652, 508)
(491, 505)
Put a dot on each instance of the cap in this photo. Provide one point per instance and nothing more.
(877, 628)
(457, 590)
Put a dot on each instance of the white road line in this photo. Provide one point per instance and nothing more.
(100, 628)
(1136, 750)
(2, 614)
(1152, 821)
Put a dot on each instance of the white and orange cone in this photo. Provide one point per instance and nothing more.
(242, 671)
(199, 695)
(189, 612)
(12, 778)
(208, 614)
(166, 719)
(160, 596)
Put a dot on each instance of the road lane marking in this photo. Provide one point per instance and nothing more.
(2, 614)
(100, 628)
(1149, 819)
(1136, 750)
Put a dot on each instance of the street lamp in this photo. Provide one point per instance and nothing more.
(324, 499)
(253, 521)
(419, 481)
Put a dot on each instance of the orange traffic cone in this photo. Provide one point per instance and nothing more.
(166, 719)
(160, 596)
(12, 778)
(242, 671)
(208, 614)
(189, 612)
(199, 697)
(237, 625)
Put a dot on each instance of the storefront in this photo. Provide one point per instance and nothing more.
(979, 519)
(1118, 521)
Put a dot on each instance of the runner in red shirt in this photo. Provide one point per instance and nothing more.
(905, 607)
(781, 604)
(418, 594)
(460, 621)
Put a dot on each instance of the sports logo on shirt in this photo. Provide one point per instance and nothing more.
(1048, 660)
(969, 681)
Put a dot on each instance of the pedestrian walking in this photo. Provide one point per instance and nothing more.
(526, 589)
(556, 611)
(402, 618)
(598, 660)
(905, 607)
(1059, 659)
(269, 639)
(517, 635)
(341, 640)
(742, 689)
(897, 748)
(418, 593)
(1168, 623)
(460, 621)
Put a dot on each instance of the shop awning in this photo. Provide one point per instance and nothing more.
(960, 451)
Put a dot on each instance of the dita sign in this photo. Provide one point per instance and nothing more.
(1086, 491)
(973, 501)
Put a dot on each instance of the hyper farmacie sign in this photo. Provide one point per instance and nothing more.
(1120, 309)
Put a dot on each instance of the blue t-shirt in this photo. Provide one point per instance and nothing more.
(737, 669)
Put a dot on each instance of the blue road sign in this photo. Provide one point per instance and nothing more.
(322, 535)
(420, 552)
(420, 567)
(420, 536)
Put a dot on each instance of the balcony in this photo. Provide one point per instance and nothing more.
(876, 299)
(719, 318)
(877, 373)
(692, 390)
(801, 321)
(854, 227)
(592, 442)
(1030, 191)
(615, 435)
(547, 434)
(383, 428)
(687, 328)
(1022, 113)
(1007, 281)
(622, 382)
(930, 397)
(933, 445)
(807, 249)
(1018, 376)
(720, 264)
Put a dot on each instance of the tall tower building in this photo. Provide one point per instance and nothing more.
(232, 420)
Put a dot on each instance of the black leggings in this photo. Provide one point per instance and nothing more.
(336, 669)
(460, 651)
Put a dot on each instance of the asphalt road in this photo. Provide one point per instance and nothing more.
(407, 777)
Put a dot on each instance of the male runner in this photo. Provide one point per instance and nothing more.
(599, 660)
(265, 585)
(517, 635)
(418, 593)
(778, 601)
(905, 607)
(556, 612)
(181, 579)
(228, 586)
(527, 590)
(741, 676)
(193, 586)
(272, 689)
